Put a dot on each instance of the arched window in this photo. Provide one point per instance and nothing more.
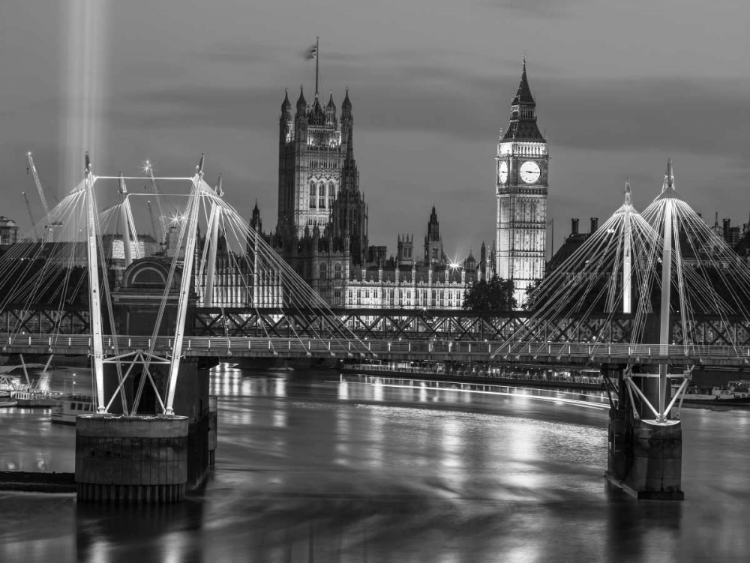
(321, 195)
(313, 196)
(331, 194)
(337, 271)
(323, 271)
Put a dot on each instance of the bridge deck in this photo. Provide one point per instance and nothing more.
(427, 349)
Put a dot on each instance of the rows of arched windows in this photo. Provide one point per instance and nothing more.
(320, 198)
(386, 297)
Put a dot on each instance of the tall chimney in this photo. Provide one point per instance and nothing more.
(574, 226)
(594, 224)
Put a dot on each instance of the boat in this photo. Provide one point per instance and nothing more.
(283, 364)
(68, 407)
(35, 399)
(733, 393)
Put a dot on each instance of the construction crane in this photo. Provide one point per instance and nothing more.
(51, 224)
(38, 184)
(149, 169)
(153, 223)
(28, 208)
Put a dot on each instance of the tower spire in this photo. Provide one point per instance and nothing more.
(627, 192)
(668, 185)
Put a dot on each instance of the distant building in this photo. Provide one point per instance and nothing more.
(403, 287)
(433, 243)
(726, 231)
(323, 222)
(8, 231)
(572, 243)
(401, 281)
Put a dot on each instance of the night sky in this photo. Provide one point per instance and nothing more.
(620, 87)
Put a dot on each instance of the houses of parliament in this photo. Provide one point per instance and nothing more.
(323, 218)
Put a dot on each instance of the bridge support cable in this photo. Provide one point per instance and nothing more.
(592, 281)
(213, 229)
(265, 265)
(710, 278)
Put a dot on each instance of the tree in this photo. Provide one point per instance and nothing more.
(493, 295)
(531, 296)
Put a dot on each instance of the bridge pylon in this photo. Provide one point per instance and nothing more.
(646, 453)
(152, 443)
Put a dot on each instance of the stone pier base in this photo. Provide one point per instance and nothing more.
(131, 459)
(213, 420)
(647, 461)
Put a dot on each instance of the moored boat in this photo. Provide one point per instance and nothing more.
(733, 393)
(68, 407)
(36, 399)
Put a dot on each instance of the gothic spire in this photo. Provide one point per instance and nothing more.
(286, 105)
(523, 94)
(522, 124)
(346, 106)
(301, 102)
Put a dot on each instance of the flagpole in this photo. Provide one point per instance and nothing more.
(317, 58)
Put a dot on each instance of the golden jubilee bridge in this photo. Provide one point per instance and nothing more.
(392, 334)
(647, 298)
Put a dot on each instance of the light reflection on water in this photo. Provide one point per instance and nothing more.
(327, 468)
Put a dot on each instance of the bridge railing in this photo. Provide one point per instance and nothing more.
(636, 351)
(479, 350)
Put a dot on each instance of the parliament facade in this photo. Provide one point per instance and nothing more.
(322, 222)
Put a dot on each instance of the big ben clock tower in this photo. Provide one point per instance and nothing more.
(521, 190)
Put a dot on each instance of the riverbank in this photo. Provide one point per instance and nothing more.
(37, 482)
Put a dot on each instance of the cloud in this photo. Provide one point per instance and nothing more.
(536, 8)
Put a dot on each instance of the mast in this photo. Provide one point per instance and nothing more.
(187, 273)
(627, 306)
(666, 284)
(317, 59)
(95, 307)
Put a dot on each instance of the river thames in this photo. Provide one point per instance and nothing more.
(319, 467)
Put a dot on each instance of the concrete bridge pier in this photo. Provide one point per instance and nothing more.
(644, 454)
(131, 459)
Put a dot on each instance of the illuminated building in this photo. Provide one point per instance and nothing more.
(521, 182)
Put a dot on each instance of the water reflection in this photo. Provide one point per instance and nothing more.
(317, 467)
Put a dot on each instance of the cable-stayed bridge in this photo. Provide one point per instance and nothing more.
(646, 297)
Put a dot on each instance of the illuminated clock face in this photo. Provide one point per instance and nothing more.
(530, 172)
(503, 172)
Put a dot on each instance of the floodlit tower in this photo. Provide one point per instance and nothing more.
(521, 191)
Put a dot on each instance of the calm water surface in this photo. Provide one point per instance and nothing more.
(316, 467)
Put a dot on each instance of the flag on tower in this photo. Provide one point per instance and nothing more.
(312, 52)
